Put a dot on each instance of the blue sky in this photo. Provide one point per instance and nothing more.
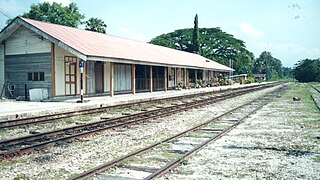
(289, 29)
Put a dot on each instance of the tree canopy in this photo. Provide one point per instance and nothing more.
(266, 64)
(196, 36)
(307, 70)
(95, 24)
(56, 13)
(214, 44)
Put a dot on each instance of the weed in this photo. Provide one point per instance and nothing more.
(13, 162)
(317, 159)
(184, 162)
(69, 121)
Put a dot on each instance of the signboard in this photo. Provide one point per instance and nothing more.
(81, 63)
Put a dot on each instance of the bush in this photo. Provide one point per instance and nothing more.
(250, 80)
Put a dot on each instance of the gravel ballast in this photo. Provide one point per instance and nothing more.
(65, 160)
(281, 141)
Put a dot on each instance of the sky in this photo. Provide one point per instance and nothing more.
(289, 29)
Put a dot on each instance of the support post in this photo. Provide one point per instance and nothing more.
(151, 79)
(111, 78)
(195, 76)
(165, 79)
(133, 78)
(53, 76)
(203, 75)
(185, 77)
(175, 76)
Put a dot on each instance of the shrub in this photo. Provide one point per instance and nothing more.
(250, 80)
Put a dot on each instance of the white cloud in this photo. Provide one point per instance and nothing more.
(127, 33)
(63, 2)
(250, 31)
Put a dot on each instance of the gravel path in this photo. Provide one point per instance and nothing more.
(281, 141)
(65, 160)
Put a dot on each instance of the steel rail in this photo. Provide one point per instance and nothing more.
(59, 116)
(46, 136)
(173, 163)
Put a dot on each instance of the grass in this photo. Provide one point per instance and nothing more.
(3, 131)
(21, 177)
(12, 162)
(302, 91)
(168, 155)
(317, 159)
(69, 121)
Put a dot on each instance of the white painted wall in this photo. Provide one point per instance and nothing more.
(60, 74)
(1, 66)
(25, 41)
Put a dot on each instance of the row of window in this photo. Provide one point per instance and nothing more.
(35, 76)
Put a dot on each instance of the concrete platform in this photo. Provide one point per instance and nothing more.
(10, 109)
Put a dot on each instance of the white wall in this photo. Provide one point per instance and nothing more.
(60, 74)
(1, 66)
(25, 41)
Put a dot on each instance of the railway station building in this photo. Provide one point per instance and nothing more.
(40, 55)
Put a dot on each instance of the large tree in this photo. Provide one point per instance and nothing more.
(95, 24)
(196, 36)
(307, 70)
(266, 64)
(55, 13)
(214, 44)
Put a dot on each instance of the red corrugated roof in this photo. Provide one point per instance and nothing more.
(93, 44)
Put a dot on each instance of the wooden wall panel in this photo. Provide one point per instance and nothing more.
(16, 71)
(24, 41)
(1, 66)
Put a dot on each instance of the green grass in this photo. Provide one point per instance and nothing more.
(69, 120)
(12, 162)
(21, 177)
(168, 155)
(317, 159)
(302, 91)
(3, 131)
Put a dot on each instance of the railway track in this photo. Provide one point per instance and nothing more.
(315, 98)
(59, 116)
(22, 145)
(157, 159)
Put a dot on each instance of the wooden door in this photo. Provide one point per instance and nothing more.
(70, 69)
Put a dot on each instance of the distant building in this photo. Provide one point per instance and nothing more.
(40, 55)
(260, 77)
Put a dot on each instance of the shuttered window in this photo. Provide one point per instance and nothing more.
(35, 76)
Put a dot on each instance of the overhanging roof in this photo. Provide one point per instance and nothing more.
(90, 45)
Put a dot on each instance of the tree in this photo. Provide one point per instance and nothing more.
(307, 70)
(55, 13)
(214, 44)
(266, 64)
(95, 24)
(196, 36)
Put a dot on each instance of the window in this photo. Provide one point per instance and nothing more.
(36, 76)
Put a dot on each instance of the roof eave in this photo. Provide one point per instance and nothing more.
(140, 62)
